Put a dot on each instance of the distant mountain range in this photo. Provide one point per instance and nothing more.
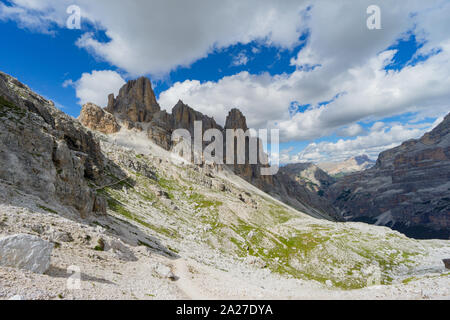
(354, 164)
(408, 189)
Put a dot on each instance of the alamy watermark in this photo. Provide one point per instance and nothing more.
(74, 280)
(374, 19)
(235, 148)
(74, 20)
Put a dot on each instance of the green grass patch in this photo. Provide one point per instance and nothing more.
(7, 106)
(47, 209)
(117, 207)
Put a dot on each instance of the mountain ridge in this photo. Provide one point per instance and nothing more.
(169, 229)
(407, 189)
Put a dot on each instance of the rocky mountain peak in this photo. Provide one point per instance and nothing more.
(184, 117)
(236, 120)
(362, 159)
(136, 101)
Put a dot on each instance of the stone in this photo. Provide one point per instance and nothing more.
(162, 194)
(26, 252)
(120, 250)
(97, 119)
(164, 271)
(446, 263)
(61, 236)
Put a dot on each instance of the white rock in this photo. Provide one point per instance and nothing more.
(16, 297)
(329, 283)
(26, 252)
(164, 271)
(120, 250)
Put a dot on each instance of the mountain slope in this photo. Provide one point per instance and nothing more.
(407, 189)
(221, 235)
(302, 186)
(136, 108)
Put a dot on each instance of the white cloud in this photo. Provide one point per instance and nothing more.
(370, 93)
(371, 144)
(240, 60)
(96, 86)
(158, 36)
(153, 36)
(351, 130)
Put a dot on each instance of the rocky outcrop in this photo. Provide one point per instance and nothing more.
(407, 190)
(97, 119)
(446, 263)
(236, 120)
(250, 172)
(184, 118)
(161, 128)
(354, 164)
(136, 101)
(26, 252)
(45, 152)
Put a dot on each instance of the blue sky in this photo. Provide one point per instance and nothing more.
(361, 96)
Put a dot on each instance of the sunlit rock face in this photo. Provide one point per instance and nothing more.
(97, 119)
(136, 101)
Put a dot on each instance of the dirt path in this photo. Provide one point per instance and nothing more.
(186, 282)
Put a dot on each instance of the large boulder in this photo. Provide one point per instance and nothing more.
(26, 252)
(447, 263)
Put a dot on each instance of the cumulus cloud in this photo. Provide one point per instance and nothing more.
(240, 59)
(96, 86)
(367, 92)
(342, 62)
(380, 138)
(154, 37)
(351, 130)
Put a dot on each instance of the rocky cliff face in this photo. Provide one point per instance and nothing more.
(250, 172)
(136, 101)
(407, 190)
(45, 152)
(184, 118)
(236, 120)
(136, 107)
(97, 119)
